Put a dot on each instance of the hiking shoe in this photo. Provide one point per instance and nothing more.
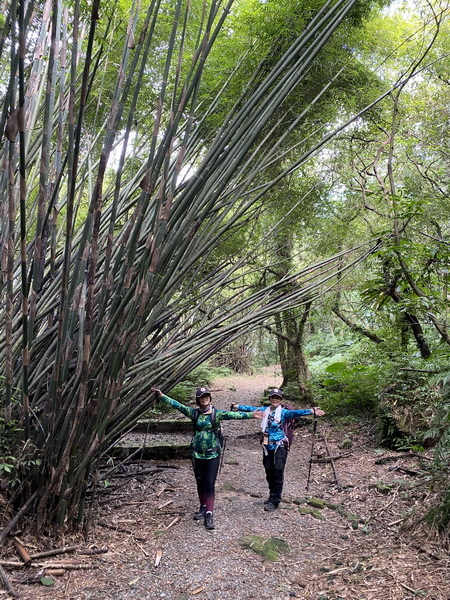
(200, 514)
(270, 506)
(209, 521)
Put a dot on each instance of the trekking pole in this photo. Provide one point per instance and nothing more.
(222, 454)
(312, 447)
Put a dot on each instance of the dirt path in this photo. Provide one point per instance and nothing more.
(354, 552)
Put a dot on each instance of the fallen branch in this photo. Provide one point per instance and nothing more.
(327, 459)
(94, 551)
(15, 564)
(68, 567)
(7, 583)
(54, 552)
(17, 518)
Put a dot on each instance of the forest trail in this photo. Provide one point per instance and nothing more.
(353, 549)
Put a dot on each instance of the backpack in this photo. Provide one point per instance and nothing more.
(216, 426)
(288, 427)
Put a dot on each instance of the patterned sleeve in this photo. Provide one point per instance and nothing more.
(226, 415)
(186, 410)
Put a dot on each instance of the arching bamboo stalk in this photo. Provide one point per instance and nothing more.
(120, 299)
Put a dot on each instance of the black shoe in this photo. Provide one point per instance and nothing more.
(270, 506)
(200, 514)
(209, 521)
(268, 501)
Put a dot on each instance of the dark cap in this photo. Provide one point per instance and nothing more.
(202, 391)
(275, 392)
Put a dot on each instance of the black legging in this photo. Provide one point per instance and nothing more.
(205, 471)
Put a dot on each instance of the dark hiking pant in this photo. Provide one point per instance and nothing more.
(205, 471)
(274, 462)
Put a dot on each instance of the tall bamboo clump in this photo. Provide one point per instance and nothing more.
(108, 279)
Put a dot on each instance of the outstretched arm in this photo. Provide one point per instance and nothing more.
(185, 410)
(226, 415)
(292, 414)
(244, 408)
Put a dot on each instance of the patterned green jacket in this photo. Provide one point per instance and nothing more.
(205, 443)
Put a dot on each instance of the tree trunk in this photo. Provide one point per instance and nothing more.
(415, 326)
(290, 339)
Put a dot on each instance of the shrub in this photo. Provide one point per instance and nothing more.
(344, 388)
(405, 411)
(18, 459)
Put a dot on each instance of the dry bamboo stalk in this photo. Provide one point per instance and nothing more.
(74, 567)
(54, 552)
(22, 551)
(94, 551)
(25, 508)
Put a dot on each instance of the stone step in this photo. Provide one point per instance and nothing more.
(154, 446)
(163, 425)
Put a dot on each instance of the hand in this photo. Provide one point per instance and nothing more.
(258, 414)
(157, 391)
(234, 406)
(318, 411)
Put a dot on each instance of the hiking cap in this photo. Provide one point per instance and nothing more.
(202, 391)
(276, 392)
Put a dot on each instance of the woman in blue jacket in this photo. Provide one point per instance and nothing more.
(274, 441)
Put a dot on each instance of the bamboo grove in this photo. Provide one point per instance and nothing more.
(108, 227)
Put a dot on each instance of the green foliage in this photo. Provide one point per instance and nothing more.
(324, 347)
(203, 375)
(18, 461)
(405, 410)
(439, 515)
(349, 388)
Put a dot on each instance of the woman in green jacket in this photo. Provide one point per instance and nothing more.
(206, 447)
